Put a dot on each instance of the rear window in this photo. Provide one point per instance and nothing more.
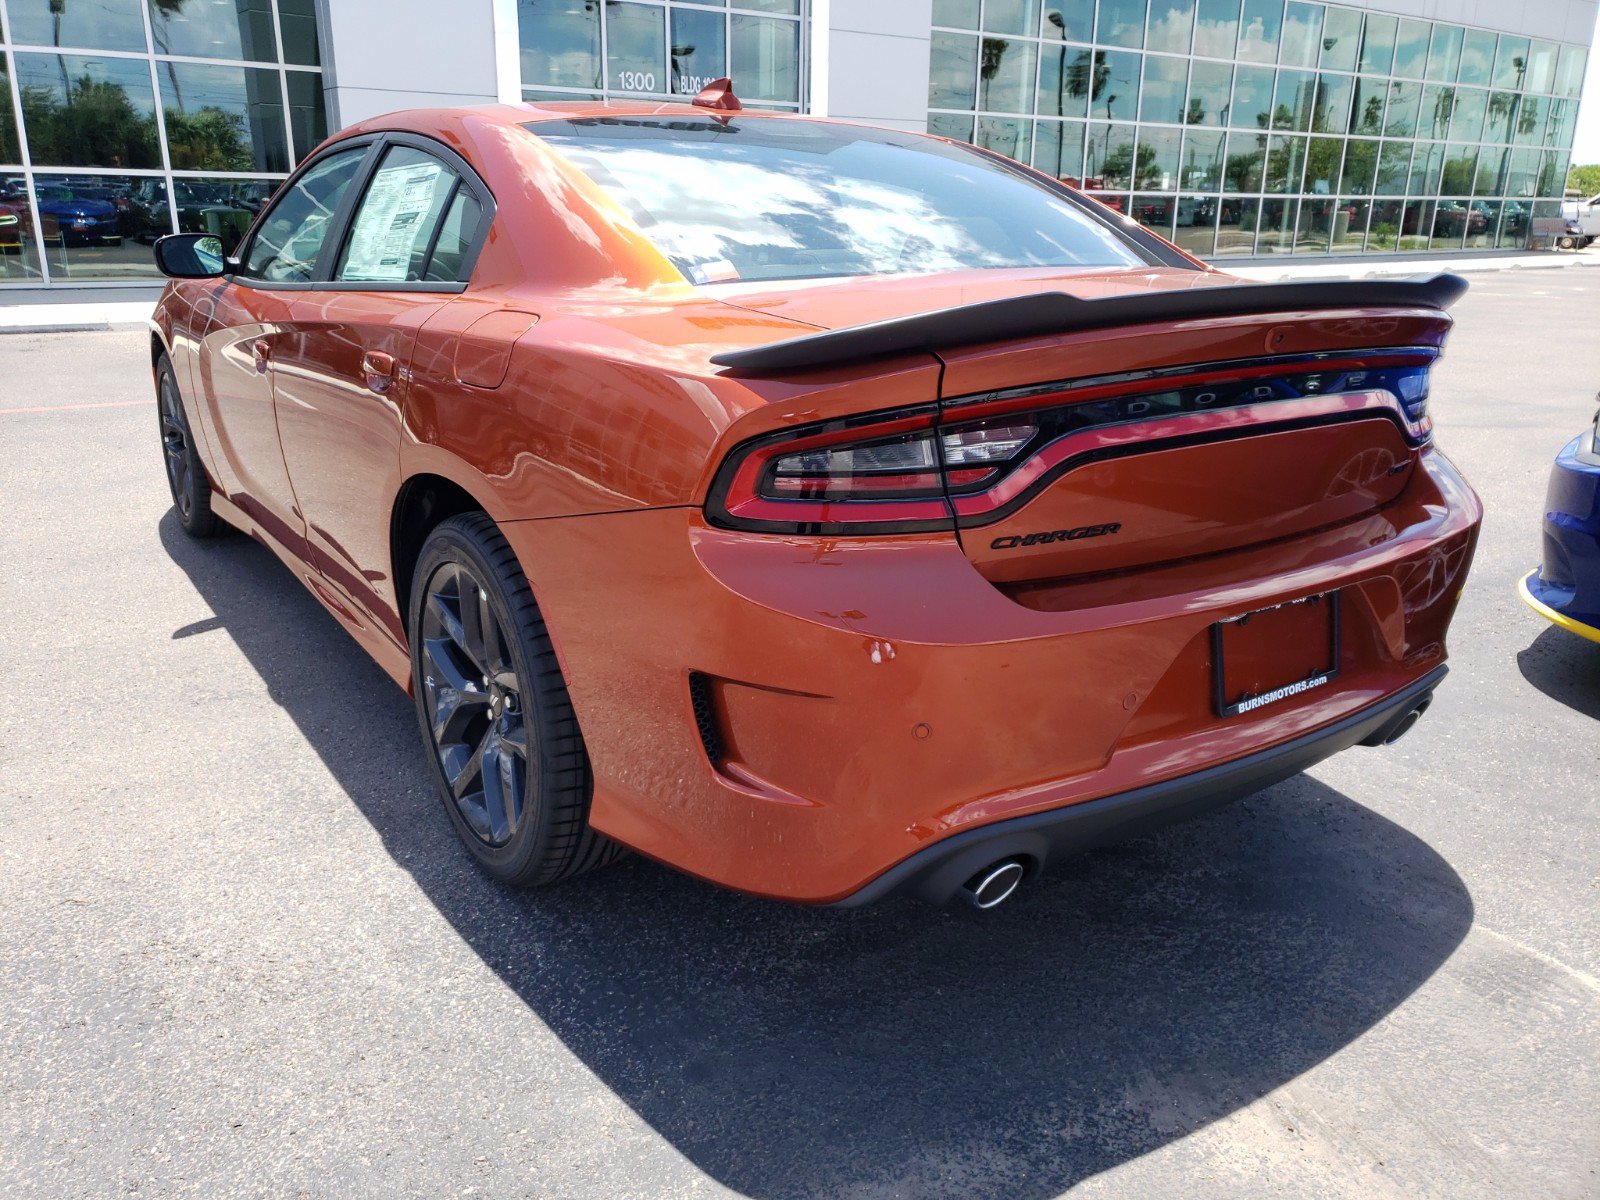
(772, 199)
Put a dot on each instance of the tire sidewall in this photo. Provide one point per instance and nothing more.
(452, 543)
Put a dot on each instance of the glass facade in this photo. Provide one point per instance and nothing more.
(122, 120)
(1254, 127)
(652, 49)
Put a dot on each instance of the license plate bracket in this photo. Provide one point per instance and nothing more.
(1271, 654)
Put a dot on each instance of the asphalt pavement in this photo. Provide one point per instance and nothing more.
(242, 954)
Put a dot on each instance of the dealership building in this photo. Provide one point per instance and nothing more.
(1237, 128)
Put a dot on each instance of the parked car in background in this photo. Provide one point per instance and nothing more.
(1196, 210)
(1565, 587)
(254, 195)
(1583, 222)
(72, 218)
(1153, 212)
(1514, 221)
(830, 512)
(202, 207)
(15, 225)
(1453, 219)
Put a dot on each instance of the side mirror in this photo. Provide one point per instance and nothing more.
(190, 256)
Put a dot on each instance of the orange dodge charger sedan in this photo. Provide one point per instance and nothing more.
(826, 511)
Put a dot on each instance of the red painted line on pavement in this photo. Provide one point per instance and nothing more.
(44, 408)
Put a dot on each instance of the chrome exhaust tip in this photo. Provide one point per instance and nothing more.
(1404, 725)
(1396, 728)
(992, 886)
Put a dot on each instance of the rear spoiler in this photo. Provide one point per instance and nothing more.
(1057, 312)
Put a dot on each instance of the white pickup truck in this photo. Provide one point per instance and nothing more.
(1583, 223)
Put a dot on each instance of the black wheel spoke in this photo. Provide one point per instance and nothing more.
(500, 787)
(445, 613)
(473, 609)
(514, 738)
(456, 713)
(469, 773)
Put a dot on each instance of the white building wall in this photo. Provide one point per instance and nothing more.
(869, 60)
(382, 55)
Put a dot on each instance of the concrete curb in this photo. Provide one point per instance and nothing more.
(1368, 269)
(75, 317)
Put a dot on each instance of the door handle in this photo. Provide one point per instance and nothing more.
(259, 350)
(378, 368)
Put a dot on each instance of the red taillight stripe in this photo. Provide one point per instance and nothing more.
(817, 486)
(842, 512)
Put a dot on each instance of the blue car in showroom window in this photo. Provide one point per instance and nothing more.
(1566, 587)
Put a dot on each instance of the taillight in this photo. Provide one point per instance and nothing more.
(1410, 385)
(971, 459)
(923, 464)
(886, 474)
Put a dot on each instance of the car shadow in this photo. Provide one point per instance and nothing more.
(1132, 996)
(1564, 667)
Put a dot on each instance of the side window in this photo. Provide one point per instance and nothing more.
(286, 247)
(393, 232)
(455, 237)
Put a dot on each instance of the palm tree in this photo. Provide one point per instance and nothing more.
(167, 10)
(58, 9)
(1444, 108)
(994, 50)
(1081, 80)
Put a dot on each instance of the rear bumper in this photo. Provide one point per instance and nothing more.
(871, 698)
(1565, 589)
(936, 873)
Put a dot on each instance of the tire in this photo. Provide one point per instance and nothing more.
(186, 474)
(503, 743)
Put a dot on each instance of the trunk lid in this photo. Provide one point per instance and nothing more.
(1191, 413)
(1210, 435)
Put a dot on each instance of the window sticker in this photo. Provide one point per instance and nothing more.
(716, 270)
(391, 225)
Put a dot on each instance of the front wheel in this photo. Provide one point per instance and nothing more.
(506, 753)
(186, 475)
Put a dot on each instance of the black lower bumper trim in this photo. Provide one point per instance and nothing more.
(934, 874)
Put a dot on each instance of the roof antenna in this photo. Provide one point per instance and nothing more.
(718, 97)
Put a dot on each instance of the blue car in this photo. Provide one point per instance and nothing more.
(76, 217)
(1566, 587)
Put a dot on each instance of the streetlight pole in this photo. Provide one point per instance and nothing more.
(1054, 18)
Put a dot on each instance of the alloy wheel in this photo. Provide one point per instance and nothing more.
(175, 447)
(474, 704)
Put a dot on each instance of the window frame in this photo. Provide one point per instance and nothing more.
(343, 219)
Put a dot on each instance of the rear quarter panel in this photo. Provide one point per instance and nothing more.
(605, 408)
